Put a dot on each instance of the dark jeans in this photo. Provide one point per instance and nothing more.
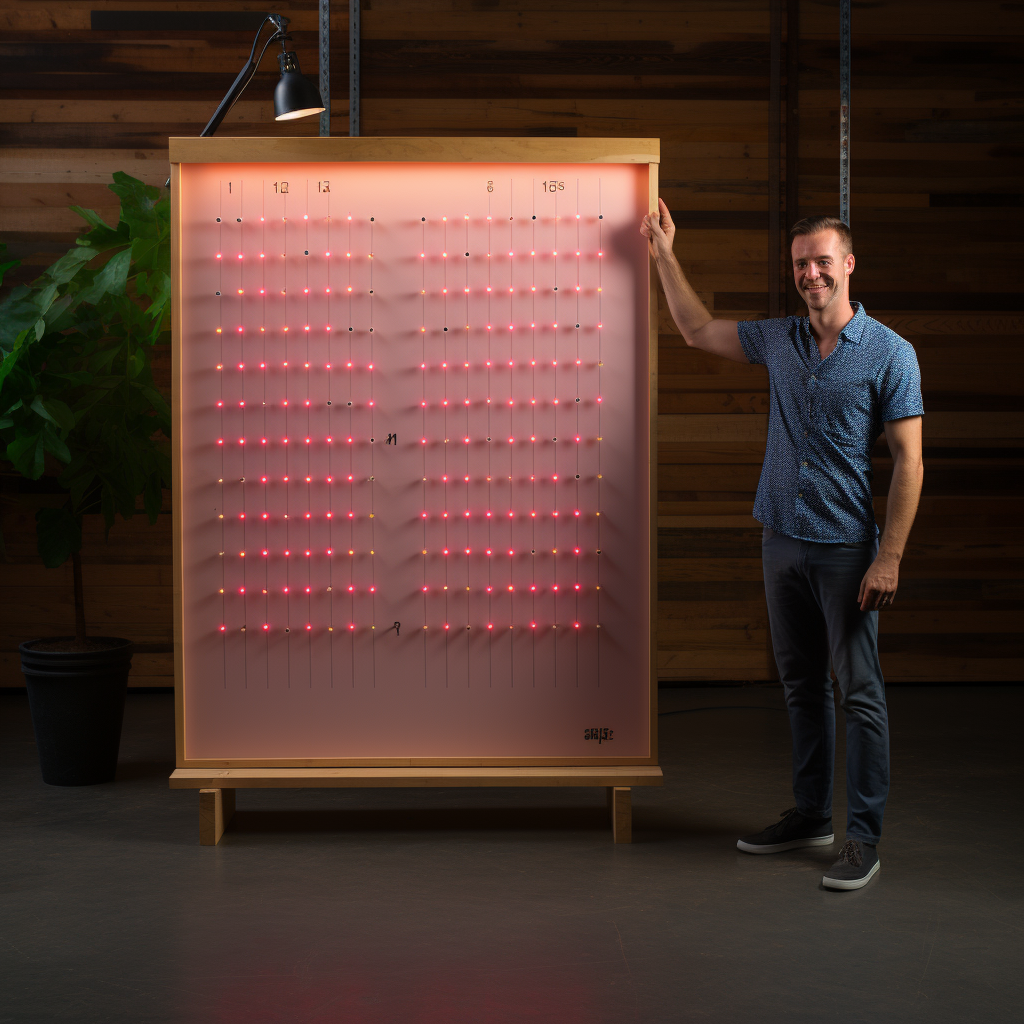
(814, 615)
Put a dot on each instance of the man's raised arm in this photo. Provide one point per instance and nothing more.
(696, 324)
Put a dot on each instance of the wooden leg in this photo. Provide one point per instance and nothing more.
(609, 792)
(215, 809)
(622, 815)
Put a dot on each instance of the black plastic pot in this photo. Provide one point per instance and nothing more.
(77, 702)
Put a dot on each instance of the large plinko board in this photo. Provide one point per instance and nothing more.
(413, 448)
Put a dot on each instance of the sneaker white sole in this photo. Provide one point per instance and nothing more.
(793, 844)
(851, 883)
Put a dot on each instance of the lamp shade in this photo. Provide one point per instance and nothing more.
(295, 95)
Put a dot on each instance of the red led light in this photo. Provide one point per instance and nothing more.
(223, 628)
(266, 626)
(490, 625)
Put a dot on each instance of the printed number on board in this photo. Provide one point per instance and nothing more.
(281, 187)
(552, 186)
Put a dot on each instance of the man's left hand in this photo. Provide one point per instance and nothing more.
(878, 588)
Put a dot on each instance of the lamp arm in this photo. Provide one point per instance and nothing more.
(245, 75)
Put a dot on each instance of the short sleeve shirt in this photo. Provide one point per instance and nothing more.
(825, 416)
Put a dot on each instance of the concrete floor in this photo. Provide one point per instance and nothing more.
(466, 906)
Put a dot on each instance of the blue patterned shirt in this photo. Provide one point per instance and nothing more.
(824, 418)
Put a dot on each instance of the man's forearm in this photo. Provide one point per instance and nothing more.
(901, 506)
(684, 304)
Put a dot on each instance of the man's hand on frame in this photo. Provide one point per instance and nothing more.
(659, 230)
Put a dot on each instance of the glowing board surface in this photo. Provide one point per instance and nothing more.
(414, 451)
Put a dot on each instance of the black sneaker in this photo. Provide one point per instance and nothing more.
(793, 831)
(857, 863)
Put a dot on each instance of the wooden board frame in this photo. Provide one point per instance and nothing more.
(446, 150)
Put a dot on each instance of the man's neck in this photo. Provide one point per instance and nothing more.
(827, 323)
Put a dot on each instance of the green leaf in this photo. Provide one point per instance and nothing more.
(102, 237)
(18, 313)
(54, 445)
(111, 280)
(70, 264)
(138, 205)
(54, 410)
(26, 452)
(59, 317)
(58, 535)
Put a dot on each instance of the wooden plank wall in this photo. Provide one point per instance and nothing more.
(937, 171)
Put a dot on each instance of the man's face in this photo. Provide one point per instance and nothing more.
(820, 270)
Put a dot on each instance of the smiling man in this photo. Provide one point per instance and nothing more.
(838, 379)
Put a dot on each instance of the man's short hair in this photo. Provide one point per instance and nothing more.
(812, 225)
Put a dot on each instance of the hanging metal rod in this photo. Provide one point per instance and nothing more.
(325, 66)
(353, 67)
(844, 110)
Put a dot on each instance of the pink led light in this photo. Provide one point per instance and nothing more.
(218, 256)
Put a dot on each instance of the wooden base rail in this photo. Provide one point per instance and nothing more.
(217, 786)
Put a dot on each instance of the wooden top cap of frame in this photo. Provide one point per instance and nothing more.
(439, 150)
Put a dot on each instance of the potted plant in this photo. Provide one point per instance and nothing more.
(78, 405)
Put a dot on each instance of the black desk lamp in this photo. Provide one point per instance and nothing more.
(295, 95)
